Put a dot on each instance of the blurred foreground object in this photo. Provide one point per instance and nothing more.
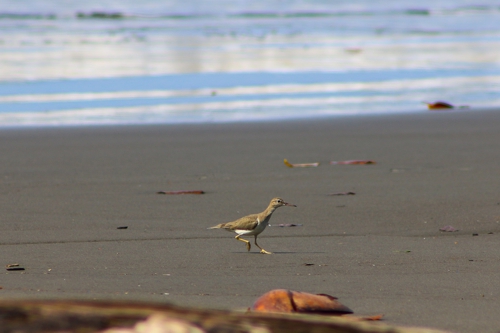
(115, 316)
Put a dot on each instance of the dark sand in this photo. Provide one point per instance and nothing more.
(65, 191)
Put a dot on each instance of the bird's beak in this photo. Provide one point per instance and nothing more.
(287, 204)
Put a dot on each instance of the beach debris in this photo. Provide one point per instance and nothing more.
(181, 192)
(306, 264)
(289, 301)
(124, 227)
(300, 165)
(440, 105)
(475, 234)
(448, 228)
(282, 225)
(354, 162)
(341, 193)
(13, 267)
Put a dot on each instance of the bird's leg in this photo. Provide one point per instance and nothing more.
(261, 249)
(244, 240)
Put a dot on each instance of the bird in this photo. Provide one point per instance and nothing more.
(254, 224)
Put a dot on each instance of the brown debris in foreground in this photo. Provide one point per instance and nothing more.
(289, 301)
(115, 316)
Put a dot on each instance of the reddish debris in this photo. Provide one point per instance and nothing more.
(439, 105)
(289, 301)
(354, 162)
(180, 192)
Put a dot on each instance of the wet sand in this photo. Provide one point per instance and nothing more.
(64, 193)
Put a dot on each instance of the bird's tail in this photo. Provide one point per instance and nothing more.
(218, 226)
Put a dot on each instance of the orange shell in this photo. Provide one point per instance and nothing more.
(289, 301)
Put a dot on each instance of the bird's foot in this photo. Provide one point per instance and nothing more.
(248, 246)
(265, 252)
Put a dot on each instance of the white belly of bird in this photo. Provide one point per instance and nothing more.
(258, 229)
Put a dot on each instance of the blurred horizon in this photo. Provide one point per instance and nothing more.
(332, 58)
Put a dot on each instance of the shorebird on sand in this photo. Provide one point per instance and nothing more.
(253, 224)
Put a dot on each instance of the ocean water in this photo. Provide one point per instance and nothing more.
(65, 63)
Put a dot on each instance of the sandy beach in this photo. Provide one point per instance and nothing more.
(65, 192)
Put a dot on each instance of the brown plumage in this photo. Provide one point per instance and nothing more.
(253, 224)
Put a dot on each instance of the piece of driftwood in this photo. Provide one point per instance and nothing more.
(116, 316)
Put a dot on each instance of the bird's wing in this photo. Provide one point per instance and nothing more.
(248, 222)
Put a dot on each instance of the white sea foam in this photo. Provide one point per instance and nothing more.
(382, 100)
